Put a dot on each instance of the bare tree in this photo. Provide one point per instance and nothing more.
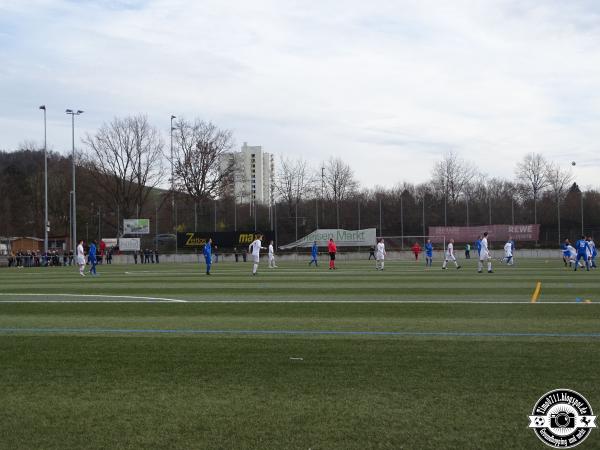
(293, 182)
(559, 180)
(339, 180)
(125, 158)
(339, 183)
(451, 176)
(202, 164)
(533, 173)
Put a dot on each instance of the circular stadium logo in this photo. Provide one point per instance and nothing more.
(562, 418)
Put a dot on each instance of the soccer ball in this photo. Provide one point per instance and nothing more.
(573, 163)
(539, 421)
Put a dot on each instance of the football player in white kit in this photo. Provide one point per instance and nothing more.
(484, 255)
(81, 258)
(450, 255)
(508, 253)
(254, 250)
(271, 256)
(380, 254)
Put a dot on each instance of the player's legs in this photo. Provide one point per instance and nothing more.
(445, 263)
(480, 265)
(255, 265)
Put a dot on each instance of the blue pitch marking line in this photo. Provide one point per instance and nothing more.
(296, 332)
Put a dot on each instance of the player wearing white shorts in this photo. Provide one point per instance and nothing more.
(380, 255)
(572, 256)
(508, 253)
(450, 255)
(81, 258)
(484, 255)
(254, 250)
(271, 256)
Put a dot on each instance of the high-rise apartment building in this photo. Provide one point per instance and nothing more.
(253, 180)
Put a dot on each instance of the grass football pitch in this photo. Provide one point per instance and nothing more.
(298, 357)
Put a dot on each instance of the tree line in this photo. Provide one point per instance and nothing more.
(126, 170)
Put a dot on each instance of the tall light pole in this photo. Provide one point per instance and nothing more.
(172, 179)
(581, 195)
(73, 113)
(323, 194)
(581, 199)
(380, 221)
(46, 224)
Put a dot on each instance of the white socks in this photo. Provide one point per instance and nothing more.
(489, 267)
(254, 268)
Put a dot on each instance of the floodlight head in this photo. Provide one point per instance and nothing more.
(43, 107)
(173, 117)
(69, 111)
(80, 111)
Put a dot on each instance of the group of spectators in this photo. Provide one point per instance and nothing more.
(146, 256)
(52, 258)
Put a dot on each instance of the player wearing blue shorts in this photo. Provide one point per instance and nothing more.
(583, 251)
(428, 253)
(314, 251)
(92, 258)
(208, 255)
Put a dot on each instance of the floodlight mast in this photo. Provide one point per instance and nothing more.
(74, 203)
(46, 224)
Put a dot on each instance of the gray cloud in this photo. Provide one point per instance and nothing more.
(399, 82)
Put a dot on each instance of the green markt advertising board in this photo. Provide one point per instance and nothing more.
(343, 238)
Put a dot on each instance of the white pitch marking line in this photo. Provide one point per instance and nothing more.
(341, 302)
(392, 301)
(130, 297)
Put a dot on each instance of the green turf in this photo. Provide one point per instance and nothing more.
(102, 375)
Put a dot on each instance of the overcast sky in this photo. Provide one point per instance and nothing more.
(387, 85)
